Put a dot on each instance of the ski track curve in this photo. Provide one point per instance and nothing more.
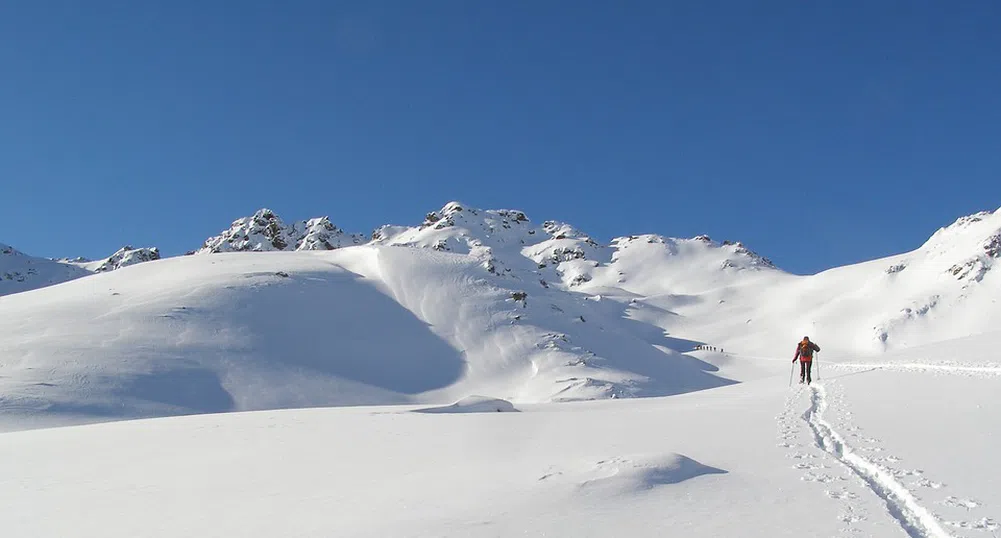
(916, 520)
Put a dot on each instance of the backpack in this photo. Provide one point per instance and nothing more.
(806, 349)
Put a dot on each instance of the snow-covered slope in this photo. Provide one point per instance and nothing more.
(483, 320)
(20, 272)
(879, 452)
(725, 294)
(943, 290)
(363, 325)
(468, 302)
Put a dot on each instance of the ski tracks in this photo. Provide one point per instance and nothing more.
(819, 469)
(869, 465)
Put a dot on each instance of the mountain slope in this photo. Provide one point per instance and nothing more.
(20, 272)
(468, 302)
(361, 325)
(943, 290)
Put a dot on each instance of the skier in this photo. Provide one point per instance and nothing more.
(804, 353)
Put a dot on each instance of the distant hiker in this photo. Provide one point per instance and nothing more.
(804, 354)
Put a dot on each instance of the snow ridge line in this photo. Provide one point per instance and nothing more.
(915, 519)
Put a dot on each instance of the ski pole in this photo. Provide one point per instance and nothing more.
(791, 372)
(818, 366)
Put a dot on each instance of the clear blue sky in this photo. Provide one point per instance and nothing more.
(819, 133)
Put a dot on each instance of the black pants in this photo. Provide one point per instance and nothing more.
(804, 371)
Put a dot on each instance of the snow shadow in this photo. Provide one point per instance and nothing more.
(339, 324)
(657, 336)
(649, 332)
(680, 469)
(635, 349)
(196, 389)
(473, 404)
(643, 473)
(183, 391)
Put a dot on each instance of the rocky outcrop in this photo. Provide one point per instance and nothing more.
(127, 256)
(265, 231)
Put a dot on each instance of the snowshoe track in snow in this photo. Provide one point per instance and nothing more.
(914, 518)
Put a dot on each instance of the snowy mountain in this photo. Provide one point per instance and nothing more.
(511, 356)
(124, 257)
(20, 272)
(469, 301)
(265, 231)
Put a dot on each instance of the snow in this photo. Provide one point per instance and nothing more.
(124, 257)
(20, 272)
(265, 231)
(643, 468)
(247, 331)
(738, 460)
(483, 375)
(474, 404)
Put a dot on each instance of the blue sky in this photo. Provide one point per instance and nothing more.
(819, 133)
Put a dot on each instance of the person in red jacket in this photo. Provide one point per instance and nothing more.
(804, 354)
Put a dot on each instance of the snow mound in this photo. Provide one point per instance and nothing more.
(632, 474)
(474, 404)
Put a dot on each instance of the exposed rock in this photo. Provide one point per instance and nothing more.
(127, 256)
(265, 231)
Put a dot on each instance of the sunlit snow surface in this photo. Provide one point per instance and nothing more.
(493, 376)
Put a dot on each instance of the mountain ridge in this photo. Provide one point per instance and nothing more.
(468, 302)
(492, 235)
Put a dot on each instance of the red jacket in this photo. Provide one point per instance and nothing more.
(804, 351)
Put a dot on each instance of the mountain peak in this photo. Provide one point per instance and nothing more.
(968, 248)
(265, 231)
(127, 256)
(20, 272)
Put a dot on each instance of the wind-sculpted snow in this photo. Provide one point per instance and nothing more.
(469, 301)
(366, 325)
